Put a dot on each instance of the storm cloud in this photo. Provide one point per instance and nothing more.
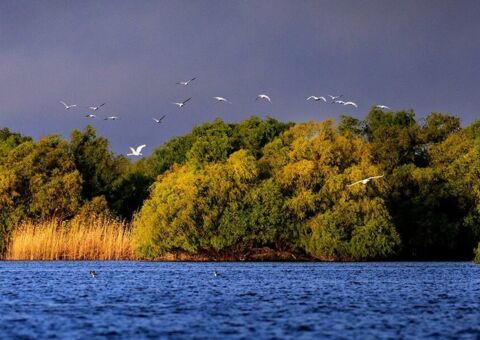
(404, 54)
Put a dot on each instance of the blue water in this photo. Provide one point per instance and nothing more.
(262, 300)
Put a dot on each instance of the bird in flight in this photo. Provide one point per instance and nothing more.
(137, 151)
(382, 107)
(334, 98)
(111, 118)
(222, 99)
(182, 103)
(185, 83)
(95, 108)
(351, 104)
(90, 116)
(159, 120)
(264, 97)
(365, 180)
(338, 101)
(68, 106)
(317, 98)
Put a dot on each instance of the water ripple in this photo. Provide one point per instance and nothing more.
(262, 300)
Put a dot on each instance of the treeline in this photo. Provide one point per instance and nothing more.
(228, 190)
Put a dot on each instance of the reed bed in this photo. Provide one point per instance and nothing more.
(94, 239)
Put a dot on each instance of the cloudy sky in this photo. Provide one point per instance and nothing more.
(422, 55)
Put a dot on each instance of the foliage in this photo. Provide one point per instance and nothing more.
(225, 190)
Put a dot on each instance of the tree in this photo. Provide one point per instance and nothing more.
(38, 181)
(395, 138)
(99, 168)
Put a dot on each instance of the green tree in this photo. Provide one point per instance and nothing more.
(38, 181)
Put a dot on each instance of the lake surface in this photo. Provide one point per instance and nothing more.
(262, 300)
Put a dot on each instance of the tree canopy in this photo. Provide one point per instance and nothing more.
(228, 189)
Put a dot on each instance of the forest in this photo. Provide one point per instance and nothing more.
(260, 186)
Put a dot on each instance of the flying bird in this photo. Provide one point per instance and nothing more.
(334, 98)
(338, 101)
(95, 108)
(182, 103)
(112, 118)
(137, 151)
(365, 180)
(185, 83)
(317, 98)
(351, 104)
(222, 99)
(264, 97)
(382, 107)
(68, 106)
(90, 116)
(159, 120)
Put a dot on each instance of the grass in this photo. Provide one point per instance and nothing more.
(95, 239)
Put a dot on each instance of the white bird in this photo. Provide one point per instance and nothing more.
(317, 98)
(68, 106)
(137, 151)
(365, 180)
(159, 120)
(95, 108)
(333, 98)
(222, 99)
(182, 103)
(185, 83)
(338, 101)
(382, 107)
(112, 118)
(90, 116)
(264, 97)
(350, 103)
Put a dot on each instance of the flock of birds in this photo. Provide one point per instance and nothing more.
(137, 151)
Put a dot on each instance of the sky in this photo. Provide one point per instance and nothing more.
(421, 55)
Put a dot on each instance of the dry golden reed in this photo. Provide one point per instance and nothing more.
(96, 239)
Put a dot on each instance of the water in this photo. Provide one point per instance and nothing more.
(262, 300)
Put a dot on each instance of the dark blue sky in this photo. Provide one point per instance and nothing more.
(423, 55)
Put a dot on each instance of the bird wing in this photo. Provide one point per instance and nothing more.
(139, 149)
(192, 79)
(64, 104)
(267, 98)
(186, 100)
(357, 182)
(322, 98)
(133, 150)
(374, 177)
(156, 120)
(311, 97)
(351, 103)
(99, 106)
(161, 118)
